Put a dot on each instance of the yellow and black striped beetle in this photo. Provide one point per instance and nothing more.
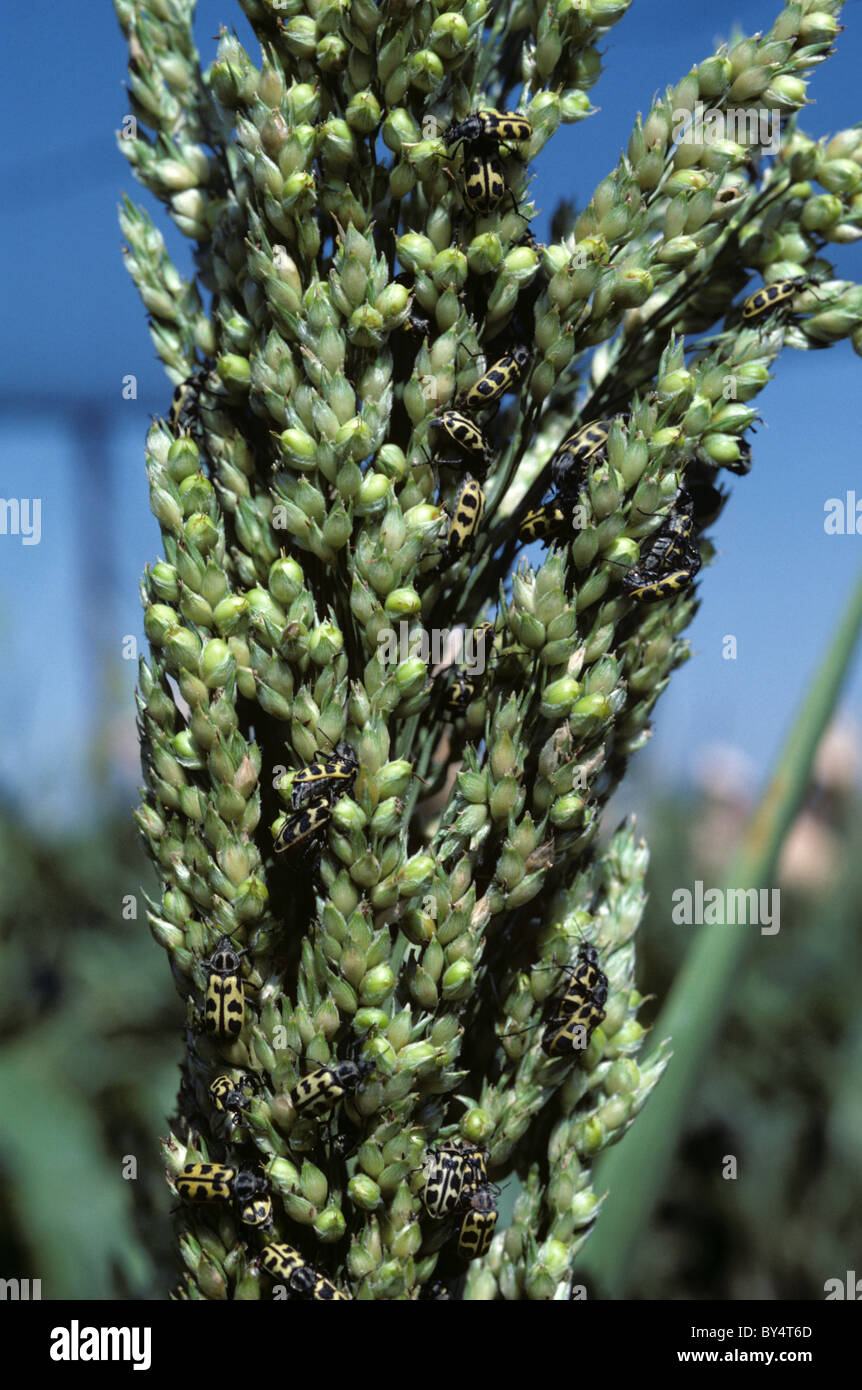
(587, 980)
(283, 1262)
(251, 1194)
(467, 516)
(461, 691)
(484, 183)
(477, 1226)
(185, 404)
(774, 296)
(672, 561)
(224, 1005)
(467, 436)
(545, 523)
(321, 1090)
(584, 444)
(488, 126)
(646, 588)
(216, 1182)
(573, 1017)
(580, 1009)
(502, 376)
(484, 133)
(227, 1094)
(257, 1212)
(673, 542)
(206, 1182)
(453, 1171)
(324, 1291)
(229, 1097)
(332, 777)
(462, 684)
(572, 1034)
(303, 826)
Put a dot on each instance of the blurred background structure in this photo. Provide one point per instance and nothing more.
(90, 1024)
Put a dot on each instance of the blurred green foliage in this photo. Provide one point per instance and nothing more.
(90, 1037)
(782, 1091)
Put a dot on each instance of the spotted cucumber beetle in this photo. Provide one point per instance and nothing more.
(224, 1006)
(580, 1009)
(462, 684)
(475, 1165)
(674, 540)
(467, 436)
(467, 513)
(283, 1262)
(484, 184)
(257, 1212)
(224, 1003)
(774, 296)
(331, 777)
(229, 1096)
(645, 589)
(450, 1172)
(303, 826)
(324, 1291)
(585, 977)
(461, 692)
(502, 376)
(571, 1034)
(216, 1182)
(206, 1182)
(321, 1089)
(477, 1226)
(443, 1176)
(487, 127)
(184, 415)
(586, 443)
(673, 558)
(577, 1012)
(545, 523)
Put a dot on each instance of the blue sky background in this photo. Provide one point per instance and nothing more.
(73, 326)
